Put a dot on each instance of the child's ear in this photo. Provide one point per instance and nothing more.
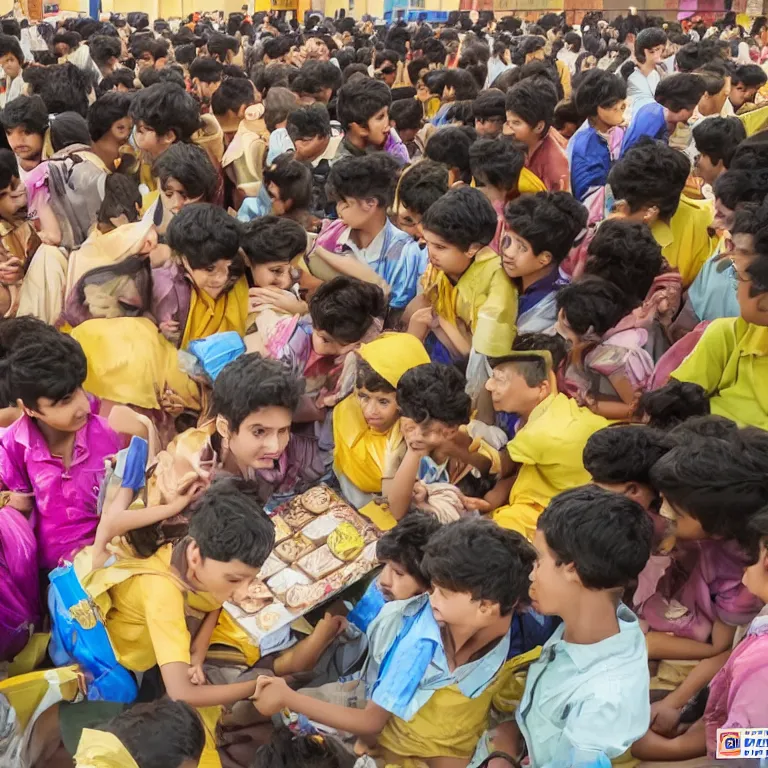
(545, 258)
(489, 608)
(540, 128)
(222, 427)
(119, 221)
(194, 558)
(20, 405)
(620, 208)
(473, 250)
(369, 204)
(241, 112)
(361, 129)
(570, 574)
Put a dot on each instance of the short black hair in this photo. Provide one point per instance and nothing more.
(308, 122)
(626, 254)
(405, 543)
(9, 168)
(275, 47)
(648, 38)
(450, 146)
(533, 100)
(750, 75)
(316, 76)
(464, 84)
(483, 559)
(606, 535)
(672, 404)
(69, 128)
(359, 100)
(462, 217)
(121, 76)
(706, 427)
(598, 89)
(421, 185)
(345, 308)
(121, 198)
(191, 167)
(367, 177)
(228, 523)
(206, 70)
(10, 44)
(53, 367)
(496, 163)
(538, 342)
(680, 91)
(625, 453)
(204, 234)
(434, 391)
(292, 177)
(218, 45)
(29, 112)
(159, 734)
(157, 49)
(64, 89)
(650, 173)
(72, 39)
(367, 378)
(165, 107)
(489, 104)
(407, 114)
(549, 221)
(592, 303)
(103, 48)
(714, 75)
(171, 74)
(106, 111)
(718, 137)
(271, 238)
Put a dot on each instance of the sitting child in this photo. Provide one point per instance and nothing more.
(716, 140)
(307, 133)
(419, 186)
(540, 230)
(110, 128)
(230, 102)
(489, 111)
(405, 116)
(450, 147)
(201, 291)
(544, 456)
(672, 404)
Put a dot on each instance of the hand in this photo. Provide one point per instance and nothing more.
(196, 674)
(171, 403)
(329, 628)
(472, 503)
(664, 718)
(11, 271)
(171, 330)
(421, 321)
(186, 497)
(270, 694)
(276, 297)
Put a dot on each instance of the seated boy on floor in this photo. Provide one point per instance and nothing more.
(419, 186)
(462, 646)
(544, 456)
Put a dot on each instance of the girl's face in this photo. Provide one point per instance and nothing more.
(686, 527)
(212, 280)
(565, 330)
(613, 115)
(379, 409)
(175, 196)
(655, 54)
(755, 577)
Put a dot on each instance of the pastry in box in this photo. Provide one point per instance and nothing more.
(271, 566)
(292, 549)
(281, 582)
(282, 529)
(257, 597)
(296, 516)
(317, 500)
(321, 528)
(304, 596)
(319, 563)
(271, 617)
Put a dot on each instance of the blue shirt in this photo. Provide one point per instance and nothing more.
(713, 293)
(648, 121)
(590, 160)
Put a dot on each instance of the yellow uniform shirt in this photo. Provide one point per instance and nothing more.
(731, 362)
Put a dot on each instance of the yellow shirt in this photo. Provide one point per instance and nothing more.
(685, 242)
(731, 362)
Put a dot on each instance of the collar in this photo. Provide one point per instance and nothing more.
(553, 279)
(755, 341)
(541, 408)
(374, 249)
(662, 233)
(29, 435)
(485, 254)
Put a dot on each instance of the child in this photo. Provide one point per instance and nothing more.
(450, 146)
(489, 110)
(230, 102)
(458, 85)
(25, 121)
(530, 108)
(600, 100)
(540, 230)
(12, 62)
(550, 436)
(363, 188)
(52, 457)
(307, 131)
(205, 76)
(467, 298)
(676, 98)
(746, 81)
(109, 125)
(643, 79)
(202, 290)
(419, 186)
(672, 404)
(586, 697)
(474, 613)
(716, 141)
(405, 117)
(186, 176)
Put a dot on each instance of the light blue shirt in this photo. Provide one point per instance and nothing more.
(586, 704)
(279, 142)
(713, 293)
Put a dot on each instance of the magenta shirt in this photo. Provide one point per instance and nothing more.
(65, 515)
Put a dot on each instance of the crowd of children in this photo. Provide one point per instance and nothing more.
(501, 284)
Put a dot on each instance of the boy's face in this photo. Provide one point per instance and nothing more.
(175, 197)
(522, 131)
(449, 258)
(379, 409)
(261, 439)
(150, 142)
(681, 116)
(459, 609)
(396, 583)
(224, 581)
(326, 346)
(121, 130)
(355, 213)
(655, 55)
(213, 280)
(279, 206)
(755, 577)
(686, 527)
(427, 436)
(67, 415)
(272, 274)
(377, 128)
(25, 144)
(613, 115)
(203, 92)
(518, 258)
(740, 94)
(489, 127)
(707, 170)
(311, 148)
(409, 221)
(552, 583)
(754, 309)
(510, 392)
(10, 65)
(145, 61)
(13, 201)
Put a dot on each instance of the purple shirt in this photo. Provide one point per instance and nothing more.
(65, 506)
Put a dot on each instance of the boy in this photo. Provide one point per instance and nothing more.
(450, 146)
(149, 53)
(109, 126)
(544, 456)
(716, 140)
(405, 116)
(540, 230)
(229, 104)
(530, 109)
(25, 121)
(186, 176)
(363, 188)
(746, 81)
(52, 457)
(489, 109)
(676, 98)
(307, 132)
(586, 698)
(11, 61)
(467, 298)
(420, 185)
(205, 75)
(474, 615)
(496, 166)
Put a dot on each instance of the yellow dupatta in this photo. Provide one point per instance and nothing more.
(229, 312)
(528, 183)
(99, 749)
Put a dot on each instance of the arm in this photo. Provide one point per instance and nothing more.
(307, 652)
(664, 646)
(611, 409)
(179, 687)
(462, 345)
(202, 640)
(507, 739)
(458, 447)
(401, 485)
(498, 496)
(350, 266)
(658, 748)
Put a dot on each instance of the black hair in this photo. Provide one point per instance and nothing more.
(72, 39)
(29, 112)
(157, 49)
(204, 234)
(606, 535)
(159, 734)
(121, 76)
(50, 367)
(592, 303)
(719, 481)
(704, 426)
(308, 122)
(680, 91)
(652, 37)
(538, 342)
(10, 44)
(185, 54)
(103, 48)
(422, 184)
(367, 378)
(405, 543)
(206, 70)
(64, 89)
(219, 45)
(565, 112)
(534, 101)
(714, 75)
(368, 177)
(496, 163)
(625, 453)
(121, 198)
(276, 47)
(463, 84)
(278, 104)
(105, 112)
(481, 558)
(549, 221)
(650, 173)
(746, 220)
(415, 67)
(750, 75)
(286, 750)
(292, 177)
(271, 238)
(598, 89)
(450, 146)
(407, 114)
(232, 94)
(718, 137)
(235, 397)
(626, 254)
(530, 44)
(359, 100)
(345, 308)
(165, 107)
(672, 404)
(228, 522)
(490, 104)
(353, 69)
(172, 74)
(9, 168)
(69, 128)
(316, 76)
(191, 167)
(462, 217)
(434, 391)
